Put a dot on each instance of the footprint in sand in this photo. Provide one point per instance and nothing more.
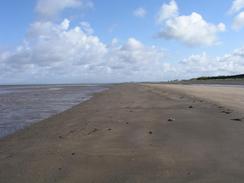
(72, 131)
(9, 156)
(189, 173)
(93, 131)
(236, 119)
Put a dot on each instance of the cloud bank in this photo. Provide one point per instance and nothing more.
(75, 54)
(56, 52)
(204, 65)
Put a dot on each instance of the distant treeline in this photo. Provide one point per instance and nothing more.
(240, 76)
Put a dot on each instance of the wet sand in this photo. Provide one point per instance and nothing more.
(133, 134)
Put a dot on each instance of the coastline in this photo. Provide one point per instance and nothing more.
(212, 82)
(124, 135)
(23, 105)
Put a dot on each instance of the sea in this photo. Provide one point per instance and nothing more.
(23, 105)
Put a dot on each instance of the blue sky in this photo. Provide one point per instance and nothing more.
(169, 51)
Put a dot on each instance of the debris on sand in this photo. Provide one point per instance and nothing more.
(190, 107)
(171, 119)
(226, 112)
(150, 132)
(73, 154)
(109, 129)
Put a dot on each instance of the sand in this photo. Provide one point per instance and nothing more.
(226, 95)
(131, 134)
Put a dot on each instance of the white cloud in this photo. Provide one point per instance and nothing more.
(86, 27)
(50, 8)
(60, 53)
(140, 12)
(203, 65)
(65, 24)
(237, 5)
(167, 11)
(53, 51)
(134, 61)
(50, 43)
(238, 22)
(135, 54)
(192, 30)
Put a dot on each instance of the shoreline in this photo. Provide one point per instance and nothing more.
(55, 115)
(129, 133)
(23, 106)
(211, 82)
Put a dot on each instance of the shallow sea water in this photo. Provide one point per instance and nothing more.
(21, 106)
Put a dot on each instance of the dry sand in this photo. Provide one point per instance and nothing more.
(226, 95)
(130, 134)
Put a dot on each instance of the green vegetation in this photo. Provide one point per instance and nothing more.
(240, 76)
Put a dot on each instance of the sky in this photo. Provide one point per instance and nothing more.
(94, 41)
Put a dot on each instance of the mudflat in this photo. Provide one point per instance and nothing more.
(131, 133)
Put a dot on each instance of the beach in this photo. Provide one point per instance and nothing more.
(134, 133)
(231, 96)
